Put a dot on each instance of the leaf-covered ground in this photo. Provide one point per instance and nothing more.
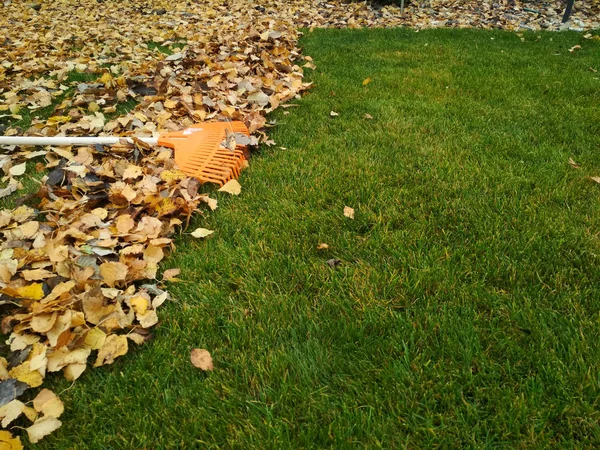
(76, 257)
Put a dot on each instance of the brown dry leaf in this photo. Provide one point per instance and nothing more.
(574, 164)
(596, 179)
(112, 272)
(37, 274)
(201, 359)
(171, 274)
(201, 233)
(124, 223)
(333, 114)
(349, 212)
(132, 171)
(231, 187)
(42, 427)
(574, 48)
(322, 246)
(368, 116)
(114, 346)
(42, 323)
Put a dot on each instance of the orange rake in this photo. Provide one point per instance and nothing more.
(199, 149)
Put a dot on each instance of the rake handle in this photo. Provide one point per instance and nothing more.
(66, 140)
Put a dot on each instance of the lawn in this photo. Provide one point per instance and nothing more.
(464, 312)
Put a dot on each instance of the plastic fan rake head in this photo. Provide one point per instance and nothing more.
(199, 151)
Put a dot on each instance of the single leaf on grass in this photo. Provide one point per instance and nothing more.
(574, 48)
(322, 246)
(349, 212)
(211, 202)
(231, 187)
(42, 427)
(333, 262)
(596, 179)
(8, 442)
(18, 170)
(201, 359)
(201, 232)
(366, 81)
(171, 274)
(333, 114)
(368, 116)
(574, 164)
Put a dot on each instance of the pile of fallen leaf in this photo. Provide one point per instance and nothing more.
(79, 258)
(73, 264)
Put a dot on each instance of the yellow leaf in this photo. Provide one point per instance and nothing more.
(231, 187)
(153, 254)
(172, 175)
(139, 304)
(201, 232)
(24, 373)
(349, 212)
(32, 291)
(42, 427)
(114, 346)
(94, 339)
(8, 442)
(106, 79)
(112, 272)
(30, 413)
(366, 81)
(54, 120)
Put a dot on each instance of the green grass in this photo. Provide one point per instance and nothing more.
(465, 312)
